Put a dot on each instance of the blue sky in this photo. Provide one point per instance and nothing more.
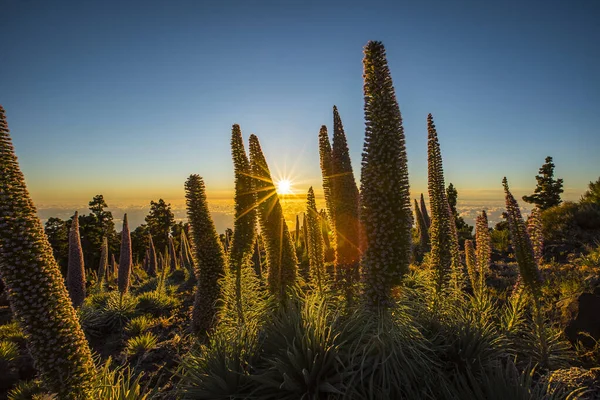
(129, 98)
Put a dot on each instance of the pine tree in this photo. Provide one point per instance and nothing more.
(425, 213)
(548, 190)
(326, 169)
(209, 255)
(345, 199)
(76, 269)
(103, 268)
(316, 245)
(281, 255)
(37, 294)
(421, 228)
(386, 214)
(125, 260)
(244, 231)
(444, 255)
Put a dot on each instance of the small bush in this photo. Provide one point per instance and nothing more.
(140, 325)
(30, 390)
(112, 316)
(119, 384)
(141, 344)
(9, 352)
(12, 333)
(156, 303)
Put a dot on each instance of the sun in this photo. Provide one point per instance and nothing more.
(284, 186)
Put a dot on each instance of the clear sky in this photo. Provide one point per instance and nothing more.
(127, 98)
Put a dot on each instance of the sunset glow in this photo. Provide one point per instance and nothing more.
(284, 186)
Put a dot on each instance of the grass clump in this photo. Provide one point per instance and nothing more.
(141, 344)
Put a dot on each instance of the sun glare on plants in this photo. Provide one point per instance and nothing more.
(284, 186)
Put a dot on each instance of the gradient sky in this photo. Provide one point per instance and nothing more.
(129, 98)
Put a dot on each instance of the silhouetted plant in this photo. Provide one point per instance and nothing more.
(548, 190)
(345, 199)
(421, 228)
(534, 229)
(528, 267)
(326, 169)
(281, 255)
(244, 231)
(125, 261)
(385, 212)
(152, 261)
(444, 254)
(425, 213)
(209, 255)
(315, 249)
(103, 268)
(36, 291)
(76, 269)
(173, 265)
(483, 243)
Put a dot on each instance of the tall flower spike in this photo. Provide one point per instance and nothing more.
(471, 261)
(386, 214)
(483, 241)
(315, 249)
(421, 228)
(172, 255)
(152, 261)
(240, 254)
(522, 246)
(442, 232)
(125, 259)
(281, 255)
(326, 169)
(534, 229)
(425, 213)
(103, 268)
(345, 202)
(76, 269)
(35, 287)
(209, 255)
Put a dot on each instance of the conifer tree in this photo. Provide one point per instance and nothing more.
(421, 228)
(152, 261)
(483, 241)
(534, 229)
(385, 213)
(316, 245)
(425, 213)
(325, 155)
(125, 259)
(103, 268)
(345, 202)
(548, 190)
(36, 291)
(244, 231)
(209, 255)
(444, 255)
(281, 255)
(76, 269)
